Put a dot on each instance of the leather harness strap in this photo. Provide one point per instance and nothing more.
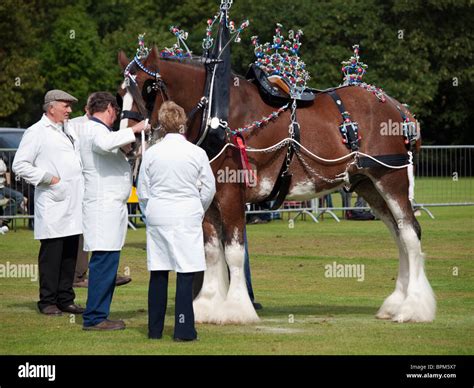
(333, 94)
(392, 160)
(130, 114)
(349, 129)
(283, 182)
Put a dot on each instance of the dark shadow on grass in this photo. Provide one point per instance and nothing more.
(136, 245)
(128, 314)
(143, 328)
(168, 332)
(119, 315)
(323, 310)
(267, 312)
(28, 305)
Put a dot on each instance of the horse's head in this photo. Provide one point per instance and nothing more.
(142, 91)
(150, 81)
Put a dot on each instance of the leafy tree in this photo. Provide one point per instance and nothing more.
(18, 68)
(73, 58)
(419, 52)
(442, 31)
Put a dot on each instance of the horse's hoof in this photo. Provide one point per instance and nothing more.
(383, 316)
(231, 312)
(206, 308)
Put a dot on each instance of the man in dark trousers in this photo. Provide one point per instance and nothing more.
(82, 263)
(108, 182)
(48, 158)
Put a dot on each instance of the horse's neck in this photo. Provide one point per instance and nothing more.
(245, 91)
(185, 82)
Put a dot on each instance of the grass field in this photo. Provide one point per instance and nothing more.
(304, 312)
(444, 190)
(435, 190)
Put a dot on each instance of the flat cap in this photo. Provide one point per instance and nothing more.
(58, 95)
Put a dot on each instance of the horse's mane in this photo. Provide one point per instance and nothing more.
(195, 61)
(198, 62)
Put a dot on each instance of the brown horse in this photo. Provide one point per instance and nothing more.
(385, 189)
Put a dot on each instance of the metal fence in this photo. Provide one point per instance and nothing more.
(17, 196)
(443, 177)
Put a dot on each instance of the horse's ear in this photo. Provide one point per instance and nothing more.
(154, 54)
(122, 59)
(151, 60)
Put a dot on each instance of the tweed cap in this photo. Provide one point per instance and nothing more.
(58, 95)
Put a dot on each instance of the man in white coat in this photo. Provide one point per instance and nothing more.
(175, 188)
(48, 158)
(108, 182)
(82, 262)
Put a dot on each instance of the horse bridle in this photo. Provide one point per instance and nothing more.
(145, 108)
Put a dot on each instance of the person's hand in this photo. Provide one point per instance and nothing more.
(127, 148)
(54, 180)
(137, 128)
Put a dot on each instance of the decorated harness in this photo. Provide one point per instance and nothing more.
(281, 77)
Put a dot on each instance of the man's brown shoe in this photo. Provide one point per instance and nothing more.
(106, 325)
(119, 281)
(73, 309)
(122, 280)
(51, 310)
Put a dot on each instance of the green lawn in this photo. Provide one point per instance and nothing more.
(304, 312)
(435, 190)
(444, 190)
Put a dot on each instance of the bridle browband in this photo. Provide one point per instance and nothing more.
(132, 87)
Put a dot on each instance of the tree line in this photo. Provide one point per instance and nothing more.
(418, 51)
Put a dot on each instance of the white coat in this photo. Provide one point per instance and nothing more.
(108, 183)
(175, 187)
(46, 151)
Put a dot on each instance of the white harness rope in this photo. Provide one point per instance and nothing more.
(343, 177)
(283, 142)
